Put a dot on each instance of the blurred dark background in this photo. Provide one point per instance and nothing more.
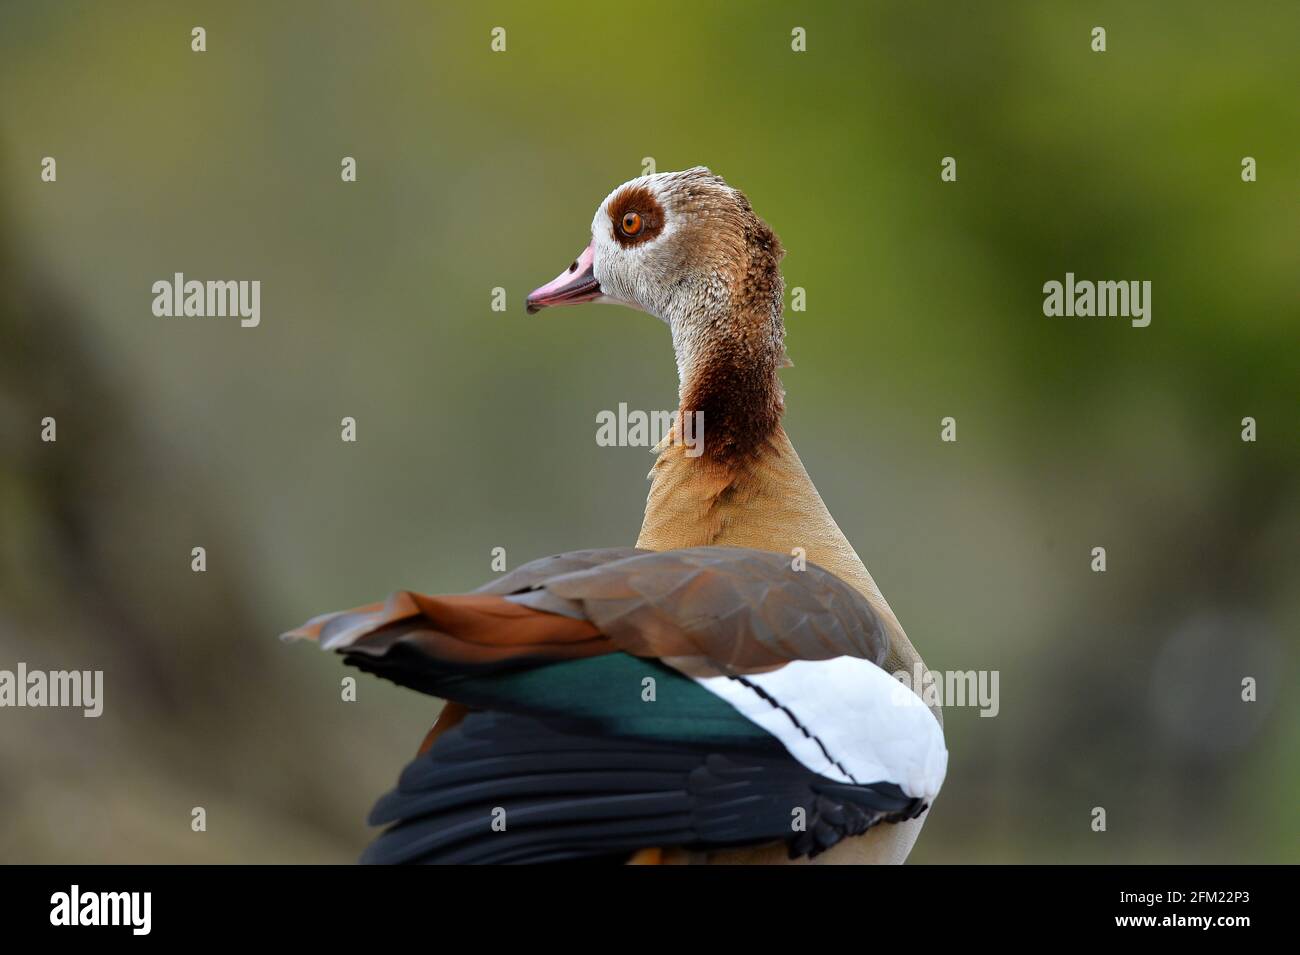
(476, 428)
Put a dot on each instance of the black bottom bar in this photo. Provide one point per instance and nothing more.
(336, 905)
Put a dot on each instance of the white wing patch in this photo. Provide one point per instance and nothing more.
(845, 719)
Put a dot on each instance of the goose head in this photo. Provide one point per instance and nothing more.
(673, 244)
(689, 249)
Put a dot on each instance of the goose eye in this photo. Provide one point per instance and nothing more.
(631, 224)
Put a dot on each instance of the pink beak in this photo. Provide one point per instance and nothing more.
(575, 284)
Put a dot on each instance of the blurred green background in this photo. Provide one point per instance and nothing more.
(477, 428)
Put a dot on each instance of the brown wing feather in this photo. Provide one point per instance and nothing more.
(738, 610)
(537, 572)
(704, 609)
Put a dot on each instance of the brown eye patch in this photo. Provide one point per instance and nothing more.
(636, 216)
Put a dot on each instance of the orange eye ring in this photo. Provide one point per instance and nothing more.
(631, 224)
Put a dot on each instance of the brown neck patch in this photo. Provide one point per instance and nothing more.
(734, 380)
(741, 400)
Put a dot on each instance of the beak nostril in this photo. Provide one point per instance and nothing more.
(575, 284)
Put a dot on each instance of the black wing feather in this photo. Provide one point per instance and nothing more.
(569, 795)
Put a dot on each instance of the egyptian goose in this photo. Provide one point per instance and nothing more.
(704, 696)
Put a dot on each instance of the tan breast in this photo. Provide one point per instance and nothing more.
(771, 504)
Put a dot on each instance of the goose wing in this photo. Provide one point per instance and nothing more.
(619, 699)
